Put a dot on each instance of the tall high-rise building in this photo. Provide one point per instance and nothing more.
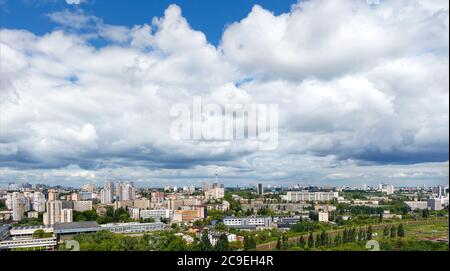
(128, 191)
(38, 201)
(52, 195)
(259, 189)
(107, 193)
(119, 191)
(18, 206)
(66, 216)
(54, 212)
(89, 187)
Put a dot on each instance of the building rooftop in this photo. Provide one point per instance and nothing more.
(76, 225)
(34, 227)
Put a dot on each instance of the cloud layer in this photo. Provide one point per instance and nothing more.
(360, 87)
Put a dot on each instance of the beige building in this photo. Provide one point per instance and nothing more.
(52, 195)
(82, 205)
(56, 214)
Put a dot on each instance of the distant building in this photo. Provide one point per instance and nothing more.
(214, 191)
(435, 204)
(33, 214)
(52, 195)
(107, 193)
(56, 214)
(295, 196)
(189, 215)
(133, 227)
(39, 202)
(18, 206)
(247, 222)
(82, 205)
(259, 189)
(89, 187)
(133, 212)
(417, 204)
(387, 188)
(323, 216)
(156, 214)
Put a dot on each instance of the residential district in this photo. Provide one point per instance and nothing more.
(120, 216)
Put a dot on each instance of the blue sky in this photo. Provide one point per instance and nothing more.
(87, 89)
(210, 17)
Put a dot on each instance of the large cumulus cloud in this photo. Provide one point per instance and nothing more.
(360, 87)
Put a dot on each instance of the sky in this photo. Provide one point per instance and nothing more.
(87, 87)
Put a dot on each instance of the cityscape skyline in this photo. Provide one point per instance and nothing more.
(87, 91)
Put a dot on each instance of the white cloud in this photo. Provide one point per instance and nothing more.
(366, 87)
(74, 2)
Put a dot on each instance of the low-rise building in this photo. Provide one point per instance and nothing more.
(156, 214)
(323, 216)
(133, 227)
(248, 222)
(414, 205)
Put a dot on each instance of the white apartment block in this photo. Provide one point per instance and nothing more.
(417, 204)
(56, 214)
(156, 214)
(247, 222)
(295, 196)
(323, 216)
(133, 212)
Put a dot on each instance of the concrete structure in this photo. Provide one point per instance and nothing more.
(435, 204)
(73, 228)
(33, 214)
(156, 214)
(259, 189)
(89, 187)
(30, 243)
(189, 215)
(39, 202)
(56, 214)
(247, 222)
(81, 206)
(134, 213)
(417, 204)
(295, 196)
(141, 204)
(52, 195)
(26, 232)
(18, 206)
(323, 216)
(4, 232)
(213, 191)
(133, 227)
(107, 193)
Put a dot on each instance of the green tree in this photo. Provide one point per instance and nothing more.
(386, 232)
(222, 243)
(249, 242)
(369, 233)
(38, 234)
(425, 213)
(205, 244)
(393, 232)
(301, 242)
(279, 243)
(401, 231)
(285, 240)
(345, 236)
(310, 240)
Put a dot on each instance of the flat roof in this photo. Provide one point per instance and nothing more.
(76, 225)
(34, 227)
